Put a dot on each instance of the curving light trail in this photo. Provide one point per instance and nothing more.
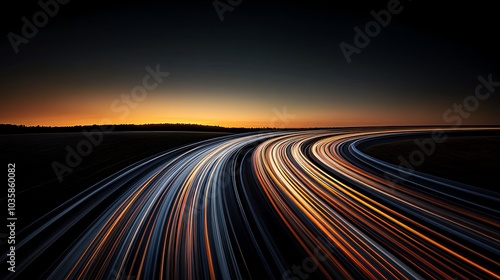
(379, 229)
(293, 205)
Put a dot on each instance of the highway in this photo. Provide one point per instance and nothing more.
(273, 205)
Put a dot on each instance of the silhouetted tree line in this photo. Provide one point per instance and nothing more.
(15, 129)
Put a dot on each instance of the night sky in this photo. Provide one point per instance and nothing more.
(261, 63)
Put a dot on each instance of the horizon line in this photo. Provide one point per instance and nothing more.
(241, 127)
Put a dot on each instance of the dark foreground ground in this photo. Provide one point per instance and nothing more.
(474, 160)
(34, 154)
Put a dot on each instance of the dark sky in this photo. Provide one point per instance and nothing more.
(267, 64)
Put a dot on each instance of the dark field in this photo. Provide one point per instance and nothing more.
(36, 180)
(473, 160)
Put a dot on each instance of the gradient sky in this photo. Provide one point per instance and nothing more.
(264, 57)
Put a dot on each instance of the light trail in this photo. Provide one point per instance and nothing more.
(253, 205)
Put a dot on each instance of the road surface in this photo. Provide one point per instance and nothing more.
(274, 205)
